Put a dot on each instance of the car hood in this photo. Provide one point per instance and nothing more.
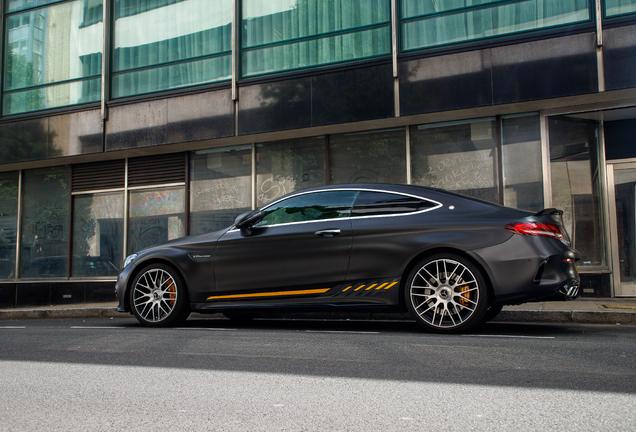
(185, 241)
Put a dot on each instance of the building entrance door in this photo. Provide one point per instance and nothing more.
(622, 195)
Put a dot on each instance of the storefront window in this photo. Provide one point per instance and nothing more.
(45, 222)
(166, 44)
(220, 187)
(98, 234)
(458, 156)
(368, 157)
(287, 166)
(8, 223)
(52, 57)
(576, 187)
(284, 35)
(432, 23)
(156, 216)
(522, 167)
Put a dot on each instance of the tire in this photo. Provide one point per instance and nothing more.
(446, 293)
(491, 313)
(159, 297)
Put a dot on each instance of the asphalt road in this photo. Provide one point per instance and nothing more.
(111, 374)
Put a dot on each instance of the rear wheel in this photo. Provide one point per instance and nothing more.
(446, 293)
(158, 297)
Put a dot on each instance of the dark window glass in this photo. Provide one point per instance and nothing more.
(382, 203)
(8, 223)
(576, 185)
(45, 221)
(310, 207)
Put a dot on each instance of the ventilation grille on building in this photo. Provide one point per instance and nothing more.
(154, 170)
(98, 176)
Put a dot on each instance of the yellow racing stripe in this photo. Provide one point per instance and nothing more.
(269, 294)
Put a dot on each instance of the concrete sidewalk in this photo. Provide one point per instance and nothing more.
(582, 311)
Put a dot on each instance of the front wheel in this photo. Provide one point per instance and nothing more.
(158, 297)
(446, 293)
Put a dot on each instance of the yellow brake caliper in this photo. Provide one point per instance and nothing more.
(464, 295)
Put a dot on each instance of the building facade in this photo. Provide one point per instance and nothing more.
(125, 123)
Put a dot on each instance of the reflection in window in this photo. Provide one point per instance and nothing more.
(98, 234)
(459, 156)
(220, 187)
(285, 35)
(284, 167)
(166, 44)
(431, 23)
(53, 57)
(310, 207)
(619, 7)
(576, 187)
(522, 168)
(368, 157)
(8, 223)
(45, 222)
(156, 216)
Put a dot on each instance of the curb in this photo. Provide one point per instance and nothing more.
(506, 316)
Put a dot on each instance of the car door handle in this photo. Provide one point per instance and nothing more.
(328, 232)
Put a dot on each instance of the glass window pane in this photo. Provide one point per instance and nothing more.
(45, 222)
(310, 207)
(522, 166)
(368, 157)
(53, 96)
(8, 223)
(461, 157)
(48, 46)
(18, 5)
(433, 29)
(220, 187)
(576, 187)
(619, 7)
(314, 52)
(98, 234)
(267, 21)
(287, 166)
(151, 34)
(381, 203)
(75, 54)
(173, 76)
(156, 216)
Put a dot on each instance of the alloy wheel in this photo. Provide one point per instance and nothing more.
(444, 293)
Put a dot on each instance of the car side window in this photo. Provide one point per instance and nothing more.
(310, 207)
(371, 203)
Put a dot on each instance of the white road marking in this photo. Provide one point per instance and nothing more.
(511, 336)
(96, 327)
(12, 327)
(202, 328)
(340, 331)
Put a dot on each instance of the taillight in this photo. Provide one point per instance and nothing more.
(536, 229)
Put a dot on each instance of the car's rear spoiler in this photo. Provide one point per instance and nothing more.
(550, 212)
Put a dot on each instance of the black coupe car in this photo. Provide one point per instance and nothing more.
(450, 260)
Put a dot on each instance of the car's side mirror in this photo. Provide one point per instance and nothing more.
(247, 220)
